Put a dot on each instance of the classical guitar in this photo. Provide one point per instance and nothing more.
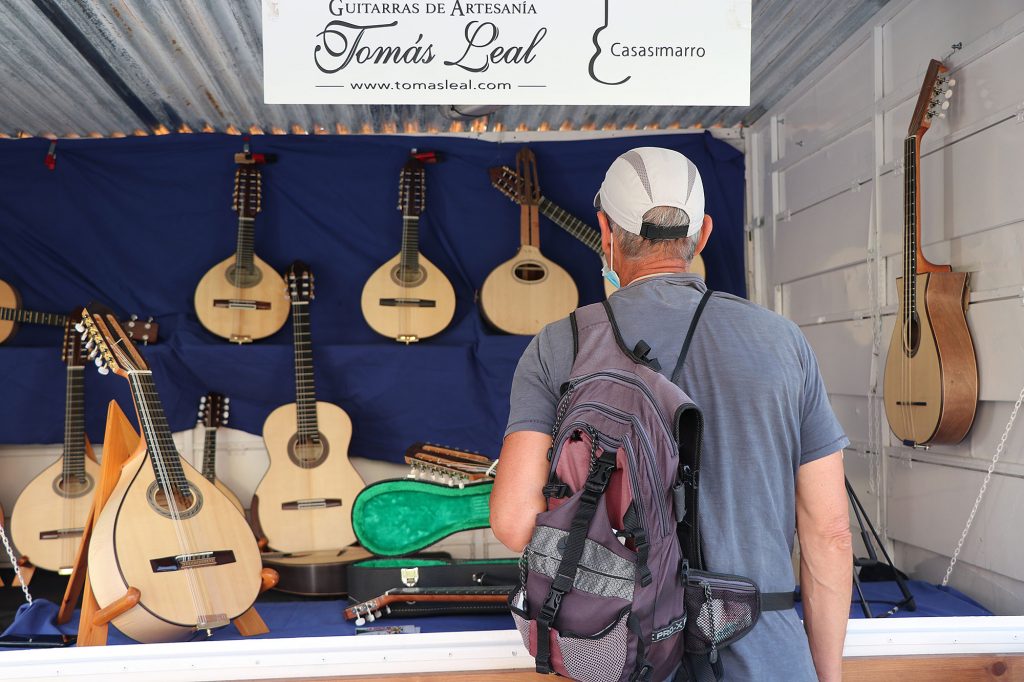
(242, 298)
(165, 530)
(50, 514)
(11, 314)
(449, 465)
(506, 180)
(304, 500)
(931, 375)
(214, 409)
(527, 291)
(408, 298)
(369, 611)
(318, 573)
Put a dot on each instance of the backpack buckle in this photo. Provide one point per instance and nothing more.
(550, 609)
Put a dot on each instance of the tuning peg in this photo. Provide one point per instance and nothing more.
(945, 105)
(89, 343)
(942, 114)
(225, 422)
(103, 369)
(951, 82)
(93, 353)
(370, 617)
(79, 327)
(202, 400)
(360, 621)
(387, 610)
(376, 614)
(227, 400)
(98, 360)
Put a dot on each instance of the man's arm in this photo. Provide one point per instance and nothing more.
(826, 560)
(518, 497)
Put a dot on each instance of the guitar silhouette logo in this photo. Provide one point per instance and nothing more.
(597, 52)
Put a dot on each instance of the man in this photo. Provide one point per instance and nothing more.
(772, 455)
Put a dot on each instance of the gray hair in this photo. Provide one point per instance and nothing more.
(634, 247)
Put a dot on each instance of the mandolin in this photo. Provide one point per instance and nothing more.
(11, 314)
(931, 375)
(304, 500)
(444, 464)
(165, 530)
(369, 611)
(527, 291)
(408, 298)
(214, 409)
(49, 517)
(242, 298)
(506, 180)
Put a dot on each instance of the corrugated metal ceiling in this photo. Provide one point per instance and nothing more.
(83, 67)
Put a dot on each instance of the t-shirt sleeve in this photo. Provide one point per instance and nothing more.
(820, 431)
(535, 386)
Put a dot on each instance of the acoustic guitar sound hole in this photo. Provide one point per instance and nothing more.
(911, 335)
(246, 277)
(185, 506)
(308, 451)
(530, 272)
(408, 277)
(74, 486)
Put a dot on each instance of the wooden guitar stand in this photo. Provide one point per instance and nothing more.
(119, 443)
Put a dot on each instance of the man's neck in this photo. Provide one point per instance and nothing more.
(664, 266)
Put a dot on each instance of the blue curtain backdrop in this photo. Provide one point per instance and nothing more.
(136, 222)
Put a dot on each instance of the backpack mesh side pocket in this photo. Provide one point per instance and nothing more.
(720, 609)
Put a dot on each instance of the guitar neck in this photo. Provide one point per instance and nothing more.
(210, 453)
(163, 455)
(305, 388)
(410, 243)
(244, 247)
(32, 317)
(529, 225)
(912, 256)
(571, 224)
(413, 595)
(74, 423)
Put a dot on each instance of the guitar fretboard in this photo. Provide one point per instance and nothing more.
(32, 317)
(410, 243)
(910, 226)
(163, 455)
(74, 424)
(305, 388)
(210, 453)
(571, 224)
(244, 247)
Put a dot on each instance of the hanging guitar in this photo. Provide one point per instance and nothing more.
(214, 409)
(931, 374)
(527, 291)
(242, 298)
(506, 180)
(11, 314)
(408, 298)
(49, 517)
(304, 501)
(165, 530)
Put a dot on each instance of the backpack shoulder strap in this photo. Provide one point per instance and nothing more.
(677, 372)
(595, 329)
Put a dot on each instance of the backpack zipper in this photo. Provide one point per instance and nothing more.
(616, 376)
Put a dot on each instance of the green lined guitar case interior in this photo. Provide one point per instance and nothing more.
(400, 516)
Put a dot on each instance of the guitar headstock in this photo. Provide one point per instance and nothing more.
(448, 465)
(141, 331)
(247, 199)
(107, 342)
(370, 610)
(506, 180)
(412, 188)
(71, 350)
(214, 409)
(528, 187)
(299, 279)
(934, 98)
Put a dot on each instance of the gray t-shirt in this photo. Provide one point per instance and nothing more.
(766, 412)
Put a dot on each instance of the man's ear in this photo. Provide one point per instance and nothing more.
(606, 233)
(705, 234)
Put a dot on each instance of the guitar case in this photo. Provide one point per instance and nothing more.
(398, 517)
(372, 577)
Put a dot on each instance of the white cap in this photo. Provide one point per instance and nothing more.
(646, 177)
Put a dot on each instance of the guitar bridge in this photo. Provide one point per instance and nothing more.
(318, 503)
(407, 338)
(408, 302)
(61, 533)
(238, 338)
(211, 621)
(189, 560)
(240, 304)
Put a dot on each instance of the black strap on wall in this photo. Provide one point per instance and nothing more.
(594, 487)
(689, 336)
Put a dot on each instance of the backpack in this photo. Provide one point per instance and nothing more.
(611, 585)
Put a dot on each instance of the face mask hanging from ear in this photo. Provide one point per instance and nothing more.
(608, 271)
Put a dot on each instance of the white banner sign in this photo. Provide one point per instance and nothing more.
(628, 52)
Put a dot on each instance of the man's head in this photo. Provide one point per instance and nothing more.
(651, 210)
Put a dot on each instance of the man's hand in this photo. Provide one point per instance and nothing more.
(517, 497)
(826, 560)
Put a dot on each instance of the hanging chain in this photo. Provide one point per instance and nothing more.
(14, 562)
(984, 487)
